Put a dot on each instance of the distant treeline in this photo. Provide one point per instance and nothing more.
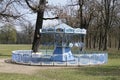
(101, 19)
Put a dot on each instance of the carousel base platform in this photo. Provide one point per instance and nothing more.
(62, 54)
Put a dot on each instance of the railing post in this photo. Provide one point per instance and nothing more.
(66, 59)
(53, 59)
(78, 61)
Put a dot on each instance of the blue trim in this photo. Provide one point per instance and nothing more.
(62, 54)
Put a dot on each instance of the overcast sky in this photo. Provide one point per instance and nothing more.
(32, 17)
(54, 2)
(57, 2)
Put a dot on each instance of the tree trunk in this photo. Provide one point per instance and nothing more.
(87, 40)
(105, 40)
(100, 41)
(94, 41)
(119, 39)
(81, 18)
(81, 13)
(39, 22)
(90, 41)
(115, 43)
(119, 44)
(110, 42)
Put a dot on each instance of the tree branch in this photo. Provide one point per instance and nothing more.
(73, 4)
(50, 18)
(8, 15)
(34, 9)
(7, 5)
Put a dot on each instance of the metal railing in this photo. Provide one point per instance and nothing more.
(26, 57)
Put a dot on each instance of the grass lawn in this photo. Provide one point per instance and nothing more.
(6, 49)
(109, 71)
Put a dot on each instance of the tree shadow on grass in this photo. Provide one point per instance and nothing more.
(114, 56)
(101, 70)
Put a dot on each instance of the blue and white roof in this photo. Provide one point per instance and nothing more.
(63, 28)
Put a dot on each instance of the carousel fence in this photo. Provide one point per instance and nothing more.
(25, 57)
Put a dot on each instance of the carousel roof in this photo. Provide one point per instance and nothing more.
(63, 28)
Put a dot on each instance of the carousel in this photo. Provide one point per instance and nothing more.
(63, 38)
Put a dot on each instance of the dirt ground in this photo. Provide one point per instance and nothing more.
(21, 69)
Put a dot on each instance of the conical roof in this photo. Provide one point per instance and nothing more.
(63, 28)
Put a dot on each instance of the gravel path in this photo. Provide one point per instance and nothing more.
(21, 69)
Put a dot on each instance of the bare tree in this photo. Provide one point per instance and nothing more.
(104, 16)
(85, 15)
(8, 10)
(119, 39)
(9, 32)
(39, 9)
(28, 31)
(107, 13)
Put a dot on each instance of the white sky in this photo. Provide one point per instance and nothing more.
(54, 2)
(49, 22)
(57, 2)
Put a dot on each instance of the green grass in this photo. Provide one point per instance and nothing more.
(109, 71)
(6, 49)
(11, 76)
(83, 73)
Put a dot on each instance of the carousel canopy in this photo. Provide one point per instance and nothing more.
(63, 28)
